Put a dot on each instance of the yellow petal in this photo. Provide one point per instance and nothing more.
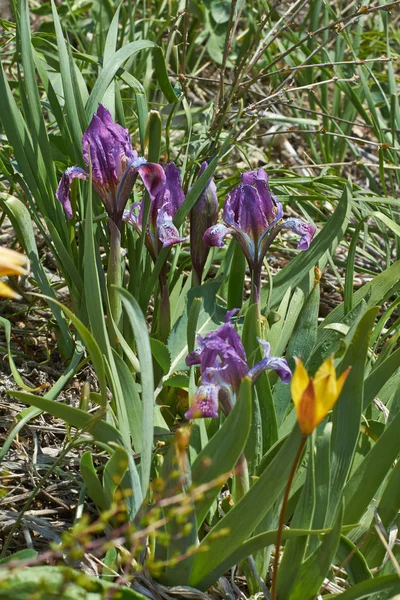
(299, 383)
(7, 292)
(327, 388)
(12, 263)
(306, 410)
(327, 368)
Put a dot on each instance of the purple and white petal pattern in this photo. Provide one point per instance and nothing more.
(205, 402)
(214, 236)
(63, 189)
(276, 363)
(166, 230)
(305, 230)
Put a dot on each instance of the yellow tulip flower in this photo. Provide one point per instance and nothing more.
(314, 397)
(11, 263)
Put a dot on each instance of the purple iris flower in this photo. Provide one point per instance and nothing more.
(223, 364)
(165, 201)
(254, 217)
(203, 215)
(115, 166)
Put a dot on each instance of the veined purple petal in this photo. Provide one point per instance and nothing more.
(230, 212)
(267, 200)
(166, 230)
(305, 230)
(62, 193)
(214, 235)
(119, 133)
(230, 367)
(277, 364)
(105, 152)
(153, 177)
(252, 219)
(193, 358)
(205, 402)
(172, 192)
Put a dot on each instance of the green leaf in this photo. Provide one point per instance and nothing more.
(299, 267)
(64, 583)
(22, 223)
(222, 452)
(162, 75)
(133, 405)
(92, 347)
(347, 412)
(237, 525)
(153, 136)
(314, 570)
(91, 480)
(73, 119)
(294, 553)
(109, 50)
(110, 69)
(139, 327)
(114, 472)
(25, 554)
(236, 277)
(161, 353)
(374, 292)
(379, 377)
(365, 589)
(351, 559)
(365, 481)
(100, 430)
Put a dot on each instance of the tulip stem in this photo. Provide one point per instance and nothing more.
(114, 277)
(282, 515)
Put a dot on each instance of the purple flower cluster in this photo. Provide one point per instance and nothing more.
(251, 213)
(223, 364)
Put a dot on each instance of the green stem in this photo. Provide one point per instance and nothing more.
(164, 313)
(114, 277)
(282, 516)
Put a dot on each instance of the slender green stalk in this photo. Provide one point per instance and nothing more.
(114, 277)
(282, 515)
(164, 313)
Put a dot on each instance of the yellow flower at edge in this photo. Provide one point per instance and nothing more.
(11, 263)
(314, 397)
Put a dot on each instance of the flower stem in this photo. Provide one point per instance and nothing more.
(114, 277)
(164, 312)
(282, 516)
(256, 286)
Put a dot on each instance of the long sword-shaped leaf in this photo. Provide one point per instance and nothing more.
(139, 326)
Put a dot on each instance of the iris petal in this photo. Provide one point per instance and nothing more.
(276, 363)
(166, 230)
(305, 230)
(62, 193)
(205, 402)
